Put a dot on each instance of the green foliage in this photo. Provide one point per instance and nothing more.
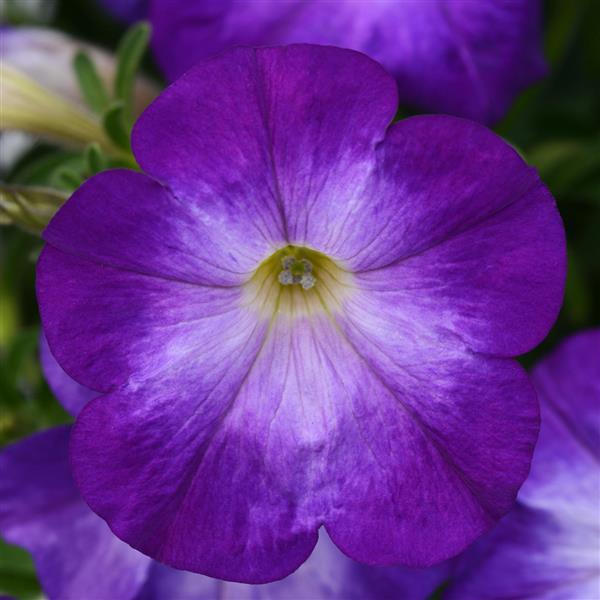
(29, 207)
(95, 161)
(115, 124)
(17, 573)
(26, 404)
(129, 56)
(42, 165)
(90, 84)
(68, 179)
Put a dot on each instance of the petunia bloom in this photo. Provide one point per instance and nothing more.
(549, 546)
(464, 58)
(40, 94)
(300, 315)
(75, 552)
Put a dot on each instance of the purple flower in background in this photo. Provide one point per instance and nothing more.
(464, 58)
(128, 10)
(299, 316)
(75, 552)
(549, 546)
(40, 509)
(72, 395)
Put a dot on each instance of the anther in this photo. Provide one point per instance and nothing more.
(287, 262)
(286, 278)
(308, 281)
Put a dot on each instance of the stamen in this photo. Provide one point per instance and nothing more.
(287, 262)
(286, 278)
(308, 281)
(297, 272)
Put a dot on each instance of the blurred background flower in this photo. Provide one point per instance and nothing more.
(463, 58)
(41, 93)
(549, 545)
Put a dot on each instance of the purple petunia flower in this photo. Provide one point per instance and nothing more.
(464, 58)
(77, 556)
(299, 316)
(549, 546)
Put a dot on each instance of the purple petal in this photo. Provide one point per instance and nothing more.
(276, 144)
(421, 404)
(326, 575)
(567, 458)
(128, 11)
(531, 554)
(72, 395)
(116, 325)
(310, 432)
(156, 234)
(463, 58)
(549, 547)
(462, 235)
(219, 497)
(73, 549)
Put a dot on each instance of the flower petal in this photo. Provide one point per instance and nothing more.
(126, 220)
(104, 336)
(72, 395)
(462, 58)
(277, 140)
(472, 242)
(313, 433)
(326, 575)
(41, 510)
(436, 439)
(128, 11)
(531, 554)
(566, 467)
(224, 483)
(548, 547)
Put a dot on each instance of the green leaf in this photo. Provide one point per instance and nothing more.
(68, 179)
(90, 84)
(17, 573)
(31, 208)
(95, 161)
(115, 124)
(40, 170)
(569, 166)
(129, 55)
(578, 298)
(560, 29)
